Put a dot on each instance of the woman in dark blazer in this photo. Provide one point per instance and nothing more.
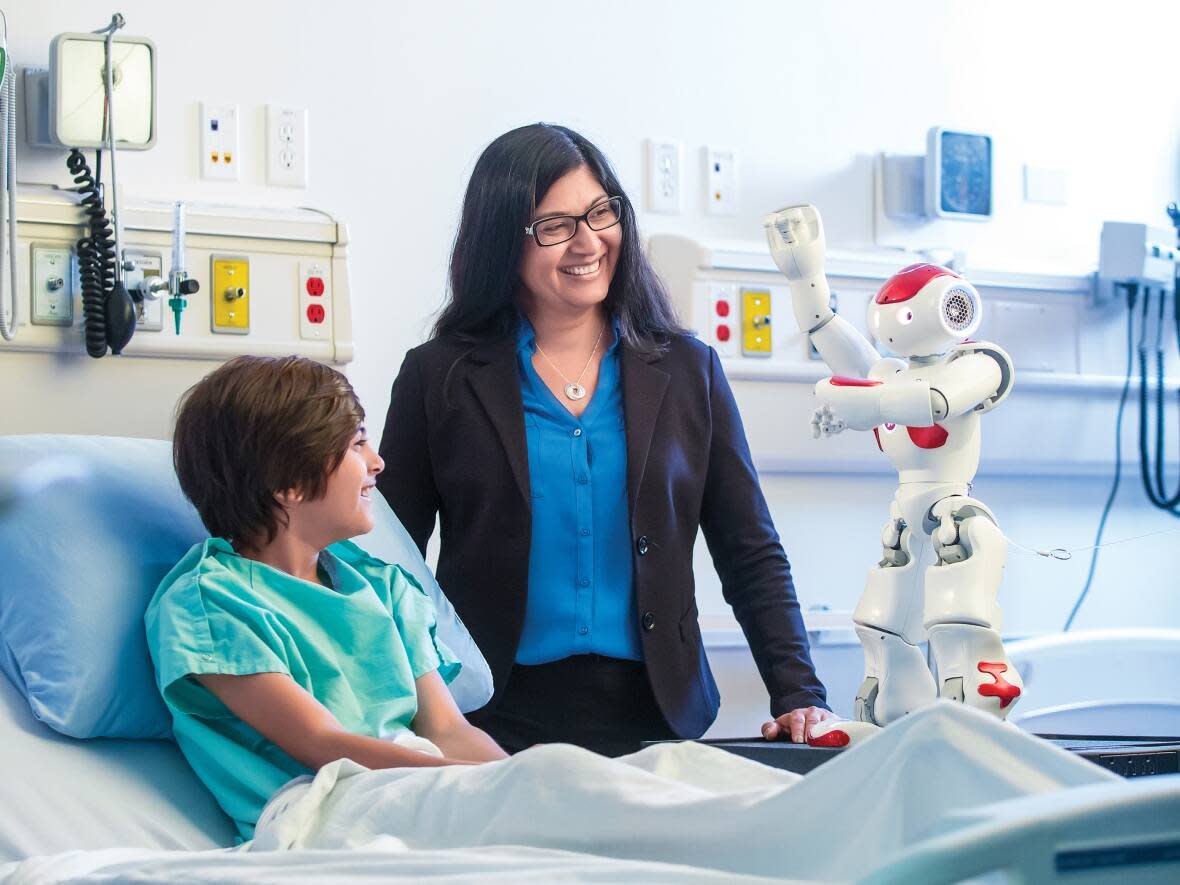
(571, 438)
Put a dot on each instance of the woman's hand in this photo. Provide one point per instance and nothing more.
(795, 725)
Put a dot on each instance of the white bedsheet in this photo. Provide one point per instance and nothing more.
(683, 813)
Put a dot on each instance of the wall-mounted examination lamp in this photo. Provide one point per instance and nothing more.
(67, 101)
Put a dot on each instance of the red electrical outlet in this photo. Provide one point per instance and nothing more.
(315, 301)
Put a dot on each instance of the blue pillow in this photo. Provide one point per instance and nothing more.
(88, 528)
(389, 541)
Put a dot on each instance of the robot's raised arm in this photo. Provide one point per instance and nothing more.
(796, 239)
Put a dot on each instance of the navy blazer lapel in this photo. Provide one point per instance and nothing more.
(643, 391)
(497, 386)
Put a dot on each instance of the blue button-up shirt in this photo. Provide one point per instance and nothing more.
(581, 594)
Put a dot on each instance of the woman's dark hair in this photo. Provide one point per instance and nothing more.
(510, 178)
(255, 427)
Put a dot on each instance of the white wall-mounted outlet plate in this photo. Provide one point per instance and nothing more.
(219, 142)
(721, 181)
(286, 146)
(663, 176)
(52, 279)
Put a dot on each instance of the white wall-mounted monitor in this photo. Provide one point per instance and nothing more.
(958, 175)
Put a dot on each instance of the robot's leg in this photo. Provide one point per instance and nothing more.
(961, 611)
(888, 620)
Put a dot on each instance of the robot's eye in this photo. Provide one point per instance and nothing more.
(905, 316)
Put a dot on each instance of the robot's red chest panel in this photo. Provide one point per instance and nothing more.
(932, 437)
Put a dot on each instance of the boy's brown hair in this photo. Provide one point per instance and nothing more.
(255, 427)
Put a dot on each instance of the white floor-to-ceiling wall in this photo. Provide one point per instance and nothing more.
(403, 96)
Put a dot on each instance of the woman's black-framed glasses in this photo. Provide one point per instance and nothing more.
(559, 228)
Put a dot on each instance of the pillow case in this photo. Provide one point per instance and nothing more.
(88, 528)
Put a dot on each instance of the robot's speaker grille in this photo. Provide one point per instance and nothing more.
(958, 309)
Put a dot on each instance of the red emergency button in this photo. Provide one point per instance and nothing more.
(315, 286)
(723, 333)
(722, 308)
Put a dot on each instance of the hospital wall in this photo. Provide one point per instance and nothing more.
(403, 96)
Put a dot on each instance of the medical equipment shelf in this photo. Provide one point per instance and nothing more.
(878, 267)
(43, 205)
(172, 346)
(686, 265)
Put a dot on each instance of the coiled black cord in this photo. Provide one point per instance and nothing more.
(1152, 473)
(96, 255)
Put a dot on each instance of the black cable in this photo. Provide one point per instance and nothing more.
(1153, 475)
(96, 255)
(1132, 293)
(1160, 485)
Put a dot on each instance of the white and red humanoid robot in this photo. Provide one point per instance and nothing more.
(942, 552)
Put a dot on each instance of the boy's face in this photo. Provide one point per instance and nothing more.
(345, 510)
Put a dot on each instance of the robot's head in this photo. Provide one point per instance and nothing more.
(923, 309)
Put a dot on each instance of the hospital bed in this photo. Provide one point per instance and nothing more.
(104, 499)
(88, 527)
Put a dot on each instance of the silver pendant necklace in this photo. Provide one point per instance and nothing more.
(573, 389)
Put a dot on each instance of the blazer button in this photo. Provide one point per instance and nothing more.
(641, 545)
(649, 621)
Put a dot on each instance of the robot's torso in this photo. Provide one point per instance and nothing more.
(948, 451)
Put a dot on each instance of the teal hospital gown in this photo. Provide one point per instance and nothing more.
(356, 646)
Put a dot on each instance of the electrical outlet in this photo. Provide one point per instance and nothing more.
(663, 176)
(315, 301)
(219, 142)
(720, 181)
(286, 146)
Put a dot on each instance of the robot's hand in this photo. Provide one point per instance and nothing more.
(825, 422)
(796, 238)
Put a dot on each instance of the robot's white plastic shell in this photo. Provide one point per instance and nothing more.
(966, 382)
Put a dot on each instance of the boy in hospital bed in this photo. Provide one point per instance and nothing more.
(280, 646)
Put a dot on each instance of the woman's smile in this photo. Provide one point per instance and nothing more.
(588, 269)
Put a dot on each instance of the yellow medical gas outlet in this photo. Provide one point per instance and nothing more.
(756, 322)
(231, 294)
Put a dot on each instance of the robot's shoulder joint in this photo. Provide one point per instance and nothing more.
(997, 353)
